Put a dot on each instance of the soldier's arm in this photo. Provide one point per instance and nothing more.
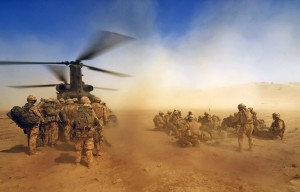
(281, 125)
(36, 111)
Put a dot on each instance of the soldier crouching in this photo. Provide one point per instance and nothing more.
(278, 126)
(84, 127)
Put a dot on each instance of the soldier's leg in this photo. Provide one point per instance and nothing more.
(98, 143)
(240, 138)
(89, 146)
(46, 133)
(79, 141)
(53, 133)
(32, 139)
(67, 133)
(248, 131)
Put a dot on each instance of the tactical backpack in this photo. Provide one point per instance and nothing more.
(49, 109)
(84, 118)
(22, 117)
(248, 116)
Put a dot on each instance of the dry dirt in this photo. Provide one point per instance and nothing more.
(141, 159)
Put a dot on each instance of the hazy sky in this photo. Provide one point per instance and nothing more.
(181, 46)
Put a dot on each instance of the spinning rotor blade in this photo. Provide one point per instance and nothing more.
(31, 86)
(107, 89)
(29, 63)
(59, 72)
(104, 41)
(106, 71)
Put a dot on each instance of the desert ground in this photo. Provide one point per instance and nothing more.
(141, 159)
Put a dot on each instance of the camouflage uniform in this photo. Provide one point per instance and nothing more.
(67, 115)
(32, 133)
(245, 120)
(278, 126)
(159, 121)
(207, 124)
(191, 134)
(102, 117)
(84, 125)
(50, 124)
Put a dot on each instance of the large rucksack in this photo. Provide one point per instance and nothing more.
(248, 116)
(49, 109)
(84, 118)
(22, 117)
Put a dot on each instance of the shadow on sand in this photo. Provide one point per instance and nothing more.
(64, 147)
(16, 149)
(65, 158)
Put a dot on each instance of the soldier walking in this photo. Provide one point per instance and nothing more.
(32, 132)
(245, 120)
(84, 125)
(101, 114)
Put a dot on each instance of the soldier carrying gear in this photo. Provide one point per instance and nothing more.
(191, 134)
(101, 114)
(67, 115)
(255, 120)
(84, 127)
(245, 120)
(159, 121)
(278, 126)
(50, 115)
(33, 132)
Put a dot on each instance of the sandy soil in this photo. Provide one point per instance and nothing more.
(141, 159)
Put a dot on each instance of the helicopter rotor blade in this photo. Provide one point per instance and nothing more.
(30, 63)
(106, 71)
(31, 86)
(107, 89)
(59, 72)
(104, 41)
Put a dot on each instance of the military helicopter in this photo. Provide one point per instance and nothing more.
(104, 41)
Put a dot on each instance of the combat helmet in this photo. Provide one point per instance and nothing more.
(75, 100)
(69, 101)
(241, 106)
(97, 100)
(85, 100)
(31, 99)
(276, 115)
(61, 100)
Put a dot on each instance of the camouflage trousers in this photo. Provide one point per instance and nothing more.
(32, 135)
(86, 144)
(98, 139)
(67, 129)
(51, 133)
(247, 130)
(277, 132)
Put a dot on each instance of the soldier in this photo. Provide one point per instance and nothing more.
(167, 117)
(50, 115)
(84, 126)
(32, 133)
(278, 126)
(101, 114)
(159, 121)
(207, 124)
(191, 136)
(245, 120)
(216, 122)
(255, 120)
(67, 114)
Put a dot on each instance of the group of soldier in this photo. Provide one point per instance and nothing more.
(190, 131)
(79, 121)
